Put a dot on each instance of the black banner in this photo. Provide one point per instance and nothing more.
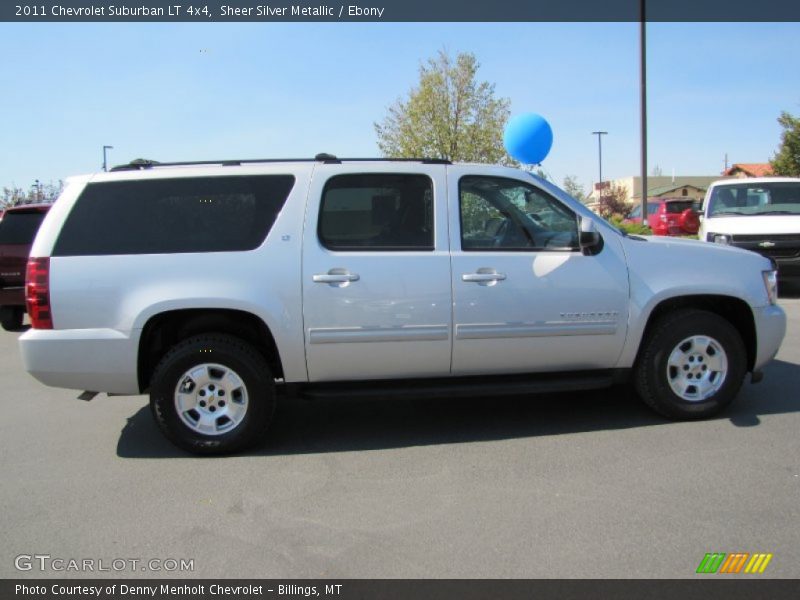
(705, 588)
(397, 10)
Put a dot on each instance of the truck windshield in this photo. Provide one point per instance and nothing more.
(779, 198)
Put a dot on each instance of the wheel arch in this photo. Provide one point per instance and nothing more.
(164, 330)
(734, 310)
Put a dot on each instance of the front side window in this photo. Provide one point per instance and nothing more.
(506, 214)
(652, 208)
(369, 211)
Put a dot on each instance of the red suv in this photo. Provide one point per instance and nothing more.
(669, 216)
(18, 228)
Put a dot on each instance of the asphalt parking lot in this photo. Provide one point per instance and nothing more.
(573, 485)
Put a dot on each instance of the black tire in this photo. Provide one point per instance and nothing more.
(11, 317)
(213, 354)
(654, 378)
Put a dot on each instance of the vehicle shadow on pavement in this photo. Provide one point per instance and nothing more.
(341, 425)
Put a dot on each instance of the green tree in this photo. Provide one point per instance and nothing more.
(614, 203)
(447, 115)
(786, 161)
(574, 189)
(39, 192)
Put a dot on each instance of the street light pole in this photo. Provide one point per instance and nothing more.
(643, 101)
(105, 161)
(600, 135)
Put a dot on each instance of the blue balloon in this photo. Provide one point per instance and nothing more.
(528, 138)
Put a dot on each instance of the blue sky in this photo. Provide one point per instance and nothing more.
(208, 91)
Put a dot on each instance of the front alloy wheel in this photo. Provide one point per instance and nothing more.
(691, 365)
(696, 368)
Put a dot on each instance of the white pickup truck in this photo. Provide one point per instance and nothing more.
(215, 286)
(761, 214)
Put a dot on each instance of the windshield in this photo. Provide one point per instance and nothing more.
(755, 199)
(677, 207)
(20, 227)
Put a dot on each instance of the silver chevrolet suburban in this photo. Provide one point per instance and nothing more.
(217, 286)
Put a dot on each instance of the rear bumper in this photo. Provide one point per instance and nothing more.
(770, 324)
(99, 360)
(12, 296)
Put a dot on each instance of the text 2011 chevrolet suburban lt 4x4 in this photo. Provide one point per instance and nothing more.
(213, 286)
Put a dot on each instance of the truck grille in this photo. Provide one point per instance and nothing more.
(779, 245)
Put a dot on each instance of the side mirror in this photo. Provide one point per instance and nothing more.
(590, 240)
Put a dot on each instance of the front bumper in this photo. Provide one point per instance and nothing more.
(98, 360)
(770, 324)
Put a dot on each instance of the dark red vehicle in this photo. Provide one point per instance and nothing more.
(669, 216)
(18, 228)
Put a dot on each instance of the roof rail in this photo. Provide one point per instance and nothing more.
(141, 163)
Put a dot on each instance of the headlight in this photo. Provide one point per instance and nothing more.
(721, 238)
(771, 284)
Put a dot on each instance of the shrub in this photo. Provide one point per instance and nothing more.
(628, 227)
(614, 202)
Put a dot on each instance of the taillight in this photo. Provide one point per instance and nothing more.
(37, 293)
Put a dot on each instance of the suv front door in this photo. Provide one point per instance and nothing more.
(525, 298)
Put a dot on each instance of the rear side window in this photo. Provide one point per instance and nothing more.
(20, 227)
(377, 212)
(168, 216)
(676, 208)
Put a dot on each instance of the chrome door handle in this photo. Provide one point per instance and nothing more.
(335, 276)
(483, 277)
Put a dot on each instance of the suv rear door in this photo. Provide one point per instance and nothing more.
(376, 272)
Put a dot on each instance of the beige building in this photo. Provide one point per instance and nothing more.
(661, 186)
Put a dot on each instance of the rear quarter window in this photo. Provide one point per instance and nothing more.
(676, 208)
(168, 216)
(20, 227)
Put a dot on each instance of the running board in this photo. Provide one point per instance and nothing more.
(492, 386)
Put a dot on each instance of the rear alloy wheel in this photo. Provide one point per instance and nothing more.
(691, 366)
(11, 317)
(211, 399)
(213, 394)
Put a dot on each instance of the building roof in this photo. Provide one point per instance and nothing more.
(750, 169)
